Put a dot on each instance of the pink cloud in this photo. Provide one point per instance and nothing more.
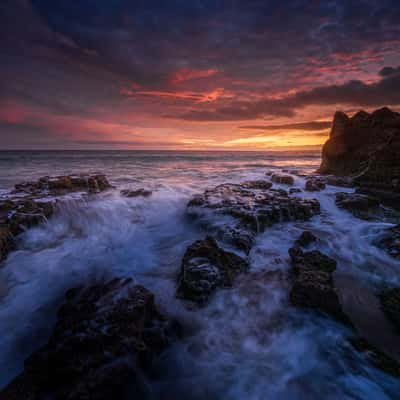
(186, 74)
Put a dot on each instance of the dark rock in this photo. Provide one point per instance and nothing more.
(29, 204)
(284, 179)
(29, 213)
(361, 206)
(295, 190)
(136, 193)
(366, 147)
(390, 241)
(101, 348)
(315, 184)
(6, 241)
(339, 181)
(259, 184)
(243, 213)
(59, 185)
(305, 239)
(312, 283)
(390, 301)
(375, 356)
(205, 266)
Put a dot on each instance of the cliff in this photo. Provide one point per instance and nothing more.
(367, 148)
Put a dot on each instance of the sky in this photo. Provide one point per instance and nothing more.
(201, 74)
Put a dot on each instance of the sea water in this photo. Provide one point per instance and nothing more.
(248, 342)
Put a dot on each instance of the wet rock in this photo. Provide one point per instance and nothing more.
(32, 203)
(305, 239)
(312, 283)
(315, 184)
(284, 179)
(205, 266)
(136, 193)
(361, 206)
(294, 190)
(102, 346)
(366, 147)
(6, 241)
(339, 181)
(259, 184)
(236, 214)
(59, 185)
(29, 213)
(375, 356)
(390, 301)
(390, 241)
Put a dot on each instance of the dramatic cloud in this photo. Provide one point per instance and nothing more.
(353, 93)
(185, 72)
(304, 126)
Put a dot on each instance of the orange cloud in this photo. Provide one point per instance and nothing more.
(198, 97)
(186, 74)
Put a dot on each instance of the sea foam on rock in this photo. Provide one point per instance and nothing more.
(205, 266)
(102, 346)
(58, 185)
(236, 214)
(32, 203)
(390, 241)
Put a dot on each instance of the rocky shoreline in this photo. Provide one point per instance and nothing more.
(108, 334)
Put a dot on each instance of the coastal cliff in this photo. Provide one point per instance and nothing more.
(366, 147)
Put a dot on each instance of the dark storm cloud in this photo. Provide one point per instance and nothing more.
(304, 126)
(386, 91)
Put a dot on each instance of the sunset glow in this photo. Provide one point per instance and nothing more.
(141, 77)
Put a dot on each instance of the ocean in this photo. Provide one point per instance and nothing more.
(248, 342)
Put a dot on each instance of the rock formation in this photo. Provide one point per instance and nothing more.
(236, 214)
(136, 193)
(284, 179)
(31, 203)
(205, 266)
(102, 346)
(366, 147)
(312, 283)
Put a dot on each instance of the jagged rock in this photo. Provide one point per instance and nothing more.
(284, 179)
(312, 283)
(390, 301)
(136, 193)
(375, 356)
(205, 266)
(305, 239)
(361, 206)
(102, 346)
(245, 213)
(59, 185)
(366, 147)
(29, 213)
(315, 184)
(390, 241)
